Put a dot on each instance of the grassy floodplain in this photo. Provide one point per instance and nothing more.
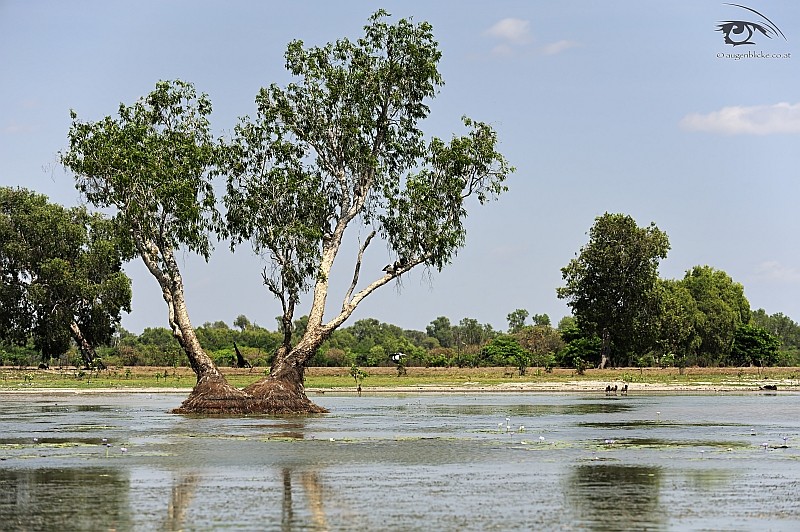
(417, 378)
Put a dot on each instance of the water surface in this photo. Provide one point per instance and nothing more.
(405, 462)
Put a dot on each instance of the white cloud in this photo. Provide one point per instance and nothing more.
(502, 49)
(558, 47)
(513, 30)
(15, 128)
(756, 120)
(775, 271)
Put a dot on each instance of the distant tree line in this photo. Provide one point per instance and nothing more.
(625, 315)
(63, 291)
(532, 342)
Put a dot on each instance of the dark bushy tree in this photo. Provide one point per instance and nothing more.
(753, 346)
(62, 275)
(721, 309)
(611, 285)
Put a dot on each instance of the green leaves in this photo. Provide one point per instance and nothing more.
(425, 219)
(611, 284)
(342, 145)
(721, 308)
(753, 346)
(153, 164)
(60, 266)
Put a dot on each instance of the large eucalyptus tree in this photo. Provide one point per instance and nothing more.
(153, 166)
(340, 149)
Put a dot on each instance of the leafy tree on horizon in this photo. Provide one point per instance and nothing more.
(516, 320)
(62, 276)
(441, 329)
(611, 285)
(721, 309)
(541, 319)
(677, 329)
(786, 329)
(753, 346)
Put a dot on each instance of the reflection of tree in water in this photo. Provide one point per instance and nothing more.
(69, 499)
(312, 486)
(615, 497)
(184, 488)
(179, 501)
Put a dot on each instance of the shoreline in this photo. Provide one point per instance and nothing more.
(582, 387)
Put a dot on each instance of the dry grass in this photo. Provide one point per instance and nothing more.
(386, 377)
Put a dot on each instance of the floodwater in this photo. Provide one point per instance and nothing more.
(405, 462)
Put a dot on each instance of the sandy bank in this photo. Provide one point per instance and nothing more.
(581, 386)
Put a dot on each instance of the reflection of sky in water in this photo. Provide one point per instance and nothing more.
(411, 462)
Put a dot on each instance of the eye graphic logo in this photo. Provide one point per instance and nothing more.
(738, 32)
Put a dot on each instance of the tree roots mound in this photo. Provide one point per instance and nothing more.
(283, 397)
(268, 396)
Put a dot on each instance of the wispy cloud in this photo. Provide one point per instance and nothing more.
(755, 120)
(558, 47)
(15, 128)
(775, 271)
(511, 30)
(515, 35)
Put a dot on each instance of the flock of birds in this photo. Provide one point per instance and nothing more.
(612, 390)
(103, 441)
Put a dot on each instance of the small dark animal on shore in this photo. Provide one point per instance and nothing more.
(770, 387)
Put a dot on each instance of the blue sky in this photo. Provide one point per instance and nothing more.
(631, 106)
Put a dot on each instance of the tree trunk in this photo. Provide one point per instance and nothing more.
(212, 394)
(605, 351)
(283, 391)
(87, 350)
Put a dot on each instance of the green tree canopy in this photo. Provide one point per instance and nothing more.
(442, 330)
(469, 332)
(153, 165)
(611, 284)
(721, 309)
(505, 350)
(782, 326)
(677, 330)
(541, 319)
(753, 346)
(62, 275)
(516, 320)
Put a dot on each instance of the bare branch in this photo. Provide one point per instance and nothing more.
(357, 270)
(350, 306)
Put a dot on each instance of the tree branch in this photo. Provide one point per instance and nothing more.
(357, 270)
(350, 307)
